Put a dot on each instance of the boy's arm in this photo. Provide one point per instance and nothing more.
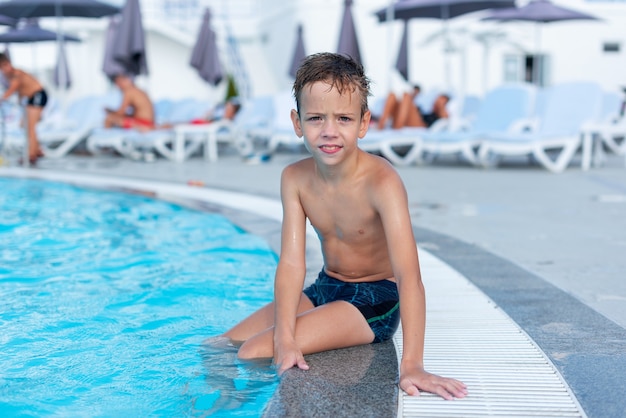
(121, 111)
(289, 276)
(14, 85)
(393, 207)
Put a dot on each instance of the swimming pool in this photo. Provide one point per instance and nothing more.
(107, 298)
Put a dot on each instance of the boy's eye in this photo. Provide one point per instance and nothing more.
(315, 118)
(345, 118)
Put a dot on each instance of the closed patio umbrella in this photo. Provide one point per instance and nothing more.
(299, 53)
(111, 67)
(348, 41)
(205, 55)
(129, 45)
(402, 63)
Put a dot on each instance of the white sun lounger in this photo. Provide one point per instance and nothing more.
(501, 111)
(568, 108)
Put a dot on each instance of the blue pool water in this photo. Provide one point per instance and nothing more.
(106, 298)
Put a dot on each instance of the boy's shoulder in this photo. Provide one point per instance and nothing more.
(300, 166)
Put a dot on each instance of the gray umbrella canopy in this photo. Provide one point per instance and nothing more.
(348, 42)
(30, 31)
(542, 11)
(205, 54)
(7, 21)
(439, 9)
(299, 53)
(129, 45)
(49, 8)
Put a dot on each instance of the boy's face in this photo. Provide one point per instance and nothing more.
(331, 123)
(6, 67)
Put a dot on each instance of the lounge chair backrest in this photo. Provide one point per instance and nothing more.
(86, 111)
(503, 106)
(540, 102)
(255, 112)
(568, 106)
(162, 108)
(611, 104)
(186, 110)
(283, 103)
(471, 104)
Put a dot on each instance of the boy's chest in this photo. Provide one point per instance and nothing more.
(346, 216)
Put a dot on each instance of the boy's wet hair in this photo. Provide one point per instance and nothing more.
(340, 71)
(4, 58)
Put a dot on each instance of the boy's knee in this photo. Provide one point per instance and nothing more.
(250, 351)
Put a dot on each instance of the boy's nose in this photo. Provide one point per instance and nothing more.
(329, 129)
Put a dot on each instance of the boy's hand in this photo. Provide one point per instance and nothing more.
(414, 379)
(287, 356)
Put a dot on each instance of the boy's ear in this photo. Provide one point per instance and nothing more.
(365, 123)
(297, 126)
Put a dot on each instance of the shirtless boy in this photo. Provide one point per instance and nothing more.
(136, 110)
(25, 85)
(358, 206)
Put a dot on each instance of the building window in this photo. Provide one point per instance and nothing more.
(611, 47)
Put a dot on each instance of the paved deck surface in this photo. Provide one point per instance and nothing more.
(547, 249)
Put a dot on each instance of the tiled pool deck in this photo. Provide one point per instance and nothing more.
(524, 346)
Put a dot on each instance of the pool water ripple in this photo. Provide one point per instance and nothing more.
(107, 298)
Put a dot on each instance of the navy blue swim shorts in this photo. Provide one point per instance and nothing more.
(378, 301)
(38, 99)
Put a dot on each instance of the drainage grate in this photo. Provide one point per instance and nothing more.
(469, 338)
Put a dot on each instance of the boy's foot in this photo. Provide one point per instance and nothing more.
(32, 159)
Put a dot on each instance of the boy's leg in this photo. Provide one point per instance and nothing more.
(33, 115)
(331, 326)
(261, 320)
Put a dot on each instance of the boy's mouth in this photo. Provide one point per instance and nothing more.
(330, 148)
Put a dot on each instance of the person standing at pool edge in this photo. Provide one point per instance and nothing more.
(25, 85)
(358, 206)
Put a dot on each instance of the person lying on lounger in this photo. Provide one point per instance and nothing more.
(357, 204)
(136, 110)
(404, 113)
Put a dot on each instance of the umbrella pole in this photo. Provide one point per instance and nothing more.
(389, 19)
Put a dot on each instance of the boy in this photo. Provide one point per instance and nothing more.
(141, 114)
(358, 206)
(25, 85)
